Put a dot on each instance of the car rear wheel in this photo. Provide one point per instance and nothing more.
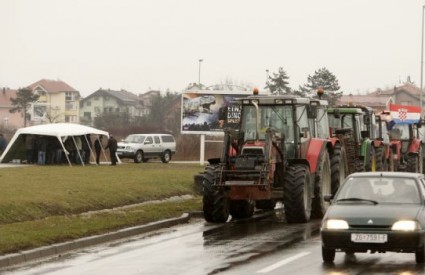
(166, 157)
(420, 255)
(328, 255)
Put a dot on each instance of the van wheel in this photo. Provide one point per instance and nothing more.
(166, 157)
(138, 158)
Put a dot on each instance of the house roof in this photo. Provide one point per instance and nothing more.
(122, 95)
(407, 87)
(367, 100)
(52, 86)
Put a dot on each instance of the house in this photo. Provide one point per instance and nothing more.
(57, 102)
(405, 94)
(146, 101)
(9, 121)
(109, 101)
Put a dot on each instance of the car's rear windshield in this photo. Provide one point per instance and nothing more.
(134, 139)
(167, 139)
(381, 190)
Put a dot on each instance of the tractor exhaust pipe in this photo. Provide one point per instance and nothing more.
(257, 119)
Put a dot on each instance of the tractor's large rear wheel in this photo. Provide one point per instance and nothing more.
(339, 167)
(215, 203)
(380, 164)
(241, 209)
(297, 194)
(322, 186)
(415, 161)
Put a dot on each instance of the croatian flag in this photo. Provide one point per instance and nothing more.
(404, 114)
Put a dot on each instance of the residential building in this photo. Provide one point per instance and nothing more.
(109, 101)
(9, 121)
(146, 101)
(58, 102)
(405, 94)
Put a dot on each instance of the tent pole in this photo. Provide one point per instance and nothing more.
(65, 151)
(78, 151)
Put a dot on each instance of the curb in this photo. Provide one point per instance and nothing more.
(10, 260)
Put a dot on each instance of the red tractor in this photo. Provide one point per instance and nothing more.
(403, 123)
(271, 156)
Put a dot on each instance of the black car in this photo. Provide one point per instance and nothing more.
(376, 212)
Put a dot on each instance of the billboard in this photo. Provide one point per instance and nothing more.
(209, 112)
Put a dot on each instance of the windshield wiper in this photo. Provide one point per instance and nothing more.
(358, 199)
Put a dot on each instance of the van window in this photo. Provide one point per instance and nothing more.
(156, 138)
(167, 139)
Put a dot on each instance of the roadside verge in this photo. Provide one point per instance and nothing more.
(9, 260)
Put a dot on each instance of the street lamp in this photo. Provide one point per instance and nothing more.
(199, 76)
(422, 60)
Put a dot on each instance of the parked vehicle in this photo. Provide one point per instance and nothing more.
(361, 217)
(142, 147)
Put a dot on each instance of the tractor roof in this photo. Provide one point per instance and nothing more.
(344, 110)
(275, 100)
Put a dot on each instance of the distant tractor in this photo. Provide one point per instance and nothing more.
(364, 145)
(403, 124)
(271, 156)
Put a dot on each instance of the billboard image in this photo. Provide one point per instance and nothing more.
(209, 112)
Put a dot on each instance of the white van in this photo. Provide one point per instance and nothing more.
(142, 147)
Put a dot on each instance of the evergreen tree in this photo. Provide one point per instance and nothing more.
(22, 101)
(325, 79)
(278, 83)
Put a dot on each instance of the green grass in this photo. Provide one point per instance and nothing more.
(41, 205)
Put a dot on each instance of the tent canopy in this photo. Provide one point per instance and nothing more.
(58, 130)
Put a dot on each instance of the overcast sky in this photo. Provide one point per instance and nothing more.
(139, 45)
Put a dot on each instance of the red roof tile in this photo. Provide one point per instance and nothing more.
(53, 86)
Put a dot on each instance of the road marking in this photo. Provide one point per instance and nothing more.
(283, 262)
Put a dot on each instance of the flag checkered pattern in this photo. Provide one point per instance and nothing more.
(402, 114)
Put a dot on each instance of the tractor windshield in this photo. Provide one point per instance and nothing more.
(278, 117)
(399, 131)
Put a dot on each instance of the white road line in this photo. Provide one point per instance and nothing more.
(283, 262)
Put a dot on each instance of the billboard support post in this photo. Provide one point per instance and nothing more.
(202, 150)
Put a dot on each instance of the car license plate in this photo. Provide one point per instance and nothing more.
(369, 238)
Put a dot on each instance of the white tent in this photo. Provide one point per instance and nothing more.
(59, 130)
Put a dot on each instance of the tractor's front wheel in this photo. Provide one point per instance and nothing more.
(215, 204)
(297, 194)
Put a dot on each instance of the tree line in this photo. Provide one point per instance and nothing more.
(278, 84)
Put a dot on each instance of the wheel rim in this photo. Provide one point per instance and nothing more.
(167, 156)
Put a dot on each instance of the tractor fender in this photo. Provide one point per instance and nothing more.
(365, 151)
(333, 141)
(314, 151)
(414, 146)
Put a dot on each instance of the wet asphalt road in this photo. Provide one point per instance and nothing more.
(261, 246)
